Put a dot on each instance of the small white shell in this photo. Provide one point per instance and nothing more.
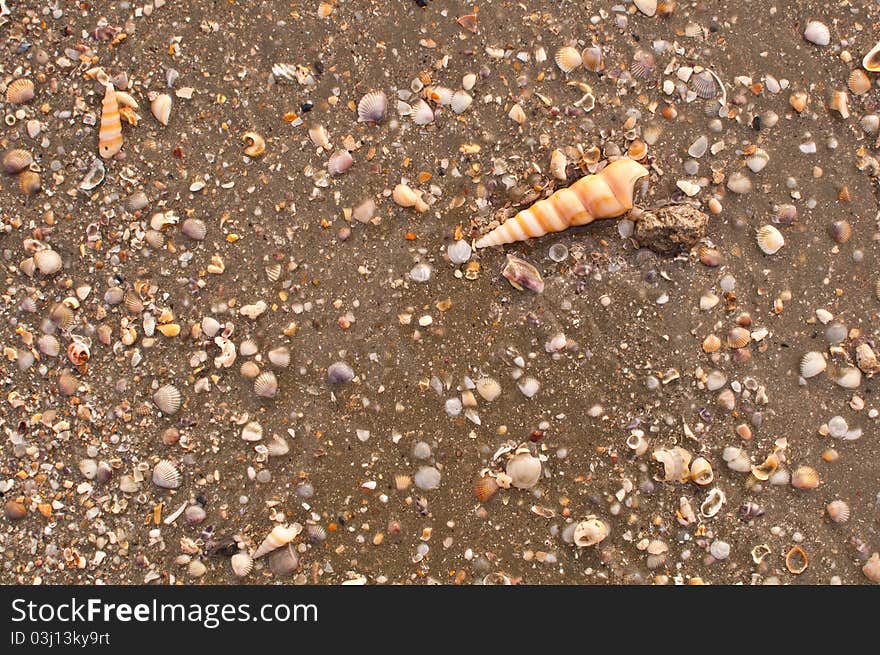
(849, 377)
(47, 261)
(589, 532)
(280, 536)
(277, 446)
(713, 503)
(558, 162)
(194, 228)
(461, 100)
(812, 364)
(167, 399)
(279, 357)
(372, 107)
(524, 470)
(49, 345)
(242, 564)
(567, 59)
(817, 33)
(769, 239)
(252, 431)
(422, 113)
(339, 162)
(166, 475)
(266, 385)
(442, 95)
(161, 108)
(320, 137)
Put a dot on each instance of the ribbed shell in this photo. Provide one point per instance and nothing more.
(838, 511)
(858, 82)
(280, 536)
(372, 107)
(62, 315)
(568, 59)
(49, 345)
(110, 133)
(812, 364)
(485, 488)
(67, 384)
(133, 302)
(252, 431)
(242, 564)
(20, 91)
(279, 357)
(166, 475)
(15, 161)
(266, 385)
(769, 239)
(422, 113)
(738, 337)
(703, 84)
(194, 228)
(606, 195)
(47, 261)
(167, 398)
(461, 100)
(643, 64)
(29, 182)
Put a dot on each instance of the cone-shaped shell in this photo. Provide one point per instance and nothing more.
(871, 61)
(589, 532)
(21, 91)
(281, 535)
(161, 108)
(167, 399)
(242, 564)
(372, 107)
(166, 475)
(567, 59)
(606, 195)
(110, 133)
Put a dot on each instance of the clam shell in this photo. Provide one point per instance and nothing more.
(284, 562)
(704, 85)
(568, 59)
(402, 482)
(812, 364)
(441, 95)
(592, 59)
(643, 64)
(590, 532)
(701, 471)
(316, 534)
(21, 91)
(29, 182)
(252, 431)
(339, 162)
(67, 384)
(858, 82)
(339, 372)
(871, 569)
(194, 228)
(167, 398)
(871, 61)
(15, 161)
(769, 239)
(461, 100)
(524, 470)
(485, 488)
(817, 32)
(277, 446)
(372, 107)
(647, 7)
(280, 535)
(422, 114)
(266, 385)
(522, 275)
(805, 477)
(161, 108)
(242, 564)
(133, 302)
(248, 348)
(849, 377)
(49, 345)
(838, 511)
(166, 475)
(279, 357)
(320, 137)
(154, 238)
(47, 261)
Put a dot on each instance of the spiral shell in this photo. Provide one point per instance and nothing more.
(524, 470)
(769, 239)
(701, 471)
(805, 477)
(161, 108)
(266, 385)
(606, 195)
(194, 228)
(812, 364)
(29, 182)
(168, 399)
(110, 133)
(280, 535)
(589, 532)
(858, 82)
(256, 144)
(166, 475)
(838, 511)
(21, 91)
(485, 488)
(47, 261)
(242, 564)
(372, 107)
(568, 59)
(15, 161)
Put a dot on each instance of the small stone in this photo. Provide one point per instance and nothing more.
(427, 478)
(670, 230)
(14, 510)
(339, 372)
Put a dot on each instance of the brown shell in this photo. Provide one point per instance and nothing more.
(133, 302)
(15, 161)
(29, 183)
(20, 91)
(738, 337)
(485, 488)
(796, 560)
(840, 231)
(859, 82)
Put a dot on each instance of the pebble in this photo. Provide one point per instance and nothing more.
(427, 478)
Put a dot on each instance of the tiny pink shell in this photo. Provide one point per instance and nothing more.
(339, 162)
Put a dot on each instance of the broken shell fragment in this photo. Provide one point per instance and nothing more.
(405, 196)
(840, 103)
(589, 532)
(796, 560)
(767, 468)
(592, 59)
(257, 145)
(674, 464)
(161, 108)
(320, 137)
(522, 275)
(713, 503)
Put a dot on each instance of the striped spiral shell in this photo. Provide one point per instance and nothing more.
(280, 536)
(110, 134)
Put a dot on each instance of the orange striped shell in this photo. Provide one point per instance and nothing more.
(110, 135)
(605, 195)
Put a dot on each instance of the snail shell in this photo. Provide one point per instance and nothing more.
(110, 133)
(280, 535)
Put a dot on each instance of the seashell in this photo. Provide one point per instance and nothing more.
(805, 477)
(750, 510)
(796, 560)
(14, 510)
(47, 261)
(29, 182)
(405, 196)
(279, 357)
(21, 91)
(422, 114)
(155, 238)
(685, 513)
(516, 114)
(248, 348)
(859, 82)
(568, 59)
(15, 161)
(67, 384)
(166, 475)
(78, 353)
(713, 503)
(167, 398)
(372, 107)
(758, 161)
(485, 488)
(524, 470)
(839, 102)
(320, 137)
(273, 272)
(637, 150)
(701, 471)
(817, 33)
(339, 162)
(558, 162)
(704, 85)
(840, 231)
(280, 536)
(870, 62)
(110, 133)
(440, 95)
(242, 564)
(592, 59)
(764, 470)
(161, 108)
(769, 239)
(194, 228)
(738, 337)
(739, 183)
(252, 431)
(266, 385)
(838, 511)
(812, 364)
(402, 482)
(339, 372)
(589, 532)
(284, 562)
(488, 388)
(277, 446)
(521, 274)
(871, 569)
(94, 177)
(647, 7)
(316, 534)
(461, 100)
(643, 64)
(849, 377)
(132, 302)
(637, 443)
(675, 463)
(468, 22)
(257, 145)
(798, 101)
(605, 195)
(49, 345)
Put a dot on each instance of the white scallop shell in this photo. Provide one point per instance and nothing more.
(266, 385)
(524, 470)
(166, 475)
(849, 378)
(279, 357)
(422, 114)
(461, 100)
(817, 32)
(161, 108)
(242, 564)
(167, 399)
(49, 345)
(442, 95)
(647, 7)
(280, 536)
(812, 364)
(567, 59)
(248, 348)
(769, 239)
(372, 107)
(277, 446)
(194, 228)
(252, 431)
(284, 562)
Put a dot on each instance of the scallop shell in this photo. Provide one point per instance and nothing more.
(280, 536)
(248, 348)
(15, 161)
(21, 91)
(817, 33)
(871, 61)
(590, 532)
(155, 238)
(372, 107)
(62, 315)
(461, 100)
(812, 364)
(133, 302)
(67, 384)
(738, 337)
(29, 182)
(838, 511)
(859, 82)
(279, 357)
(316, 534)
(167, 398)
(701, 471)
(242, 564)
(713, 503)
(166, 475)
(47, 261)
(402, 482)
(643, 64)
(592, 59)
(49, 345)
(849, 377)
(194, 228)
(252, 431)
(485, 488)
(284, 562)
(422, 113)
(568, 59)
(805, 477)
(769, 239)
(273, 272)
(161, 108)
(704, 85)
(441, 95)
(339, 162)
(266, 385)
(524, 470)
(277, 446)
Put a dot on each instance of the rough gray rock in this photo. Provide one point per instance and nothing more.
(669, 230)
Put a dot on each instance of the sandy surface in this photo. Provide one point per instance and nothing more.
(335, 289)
